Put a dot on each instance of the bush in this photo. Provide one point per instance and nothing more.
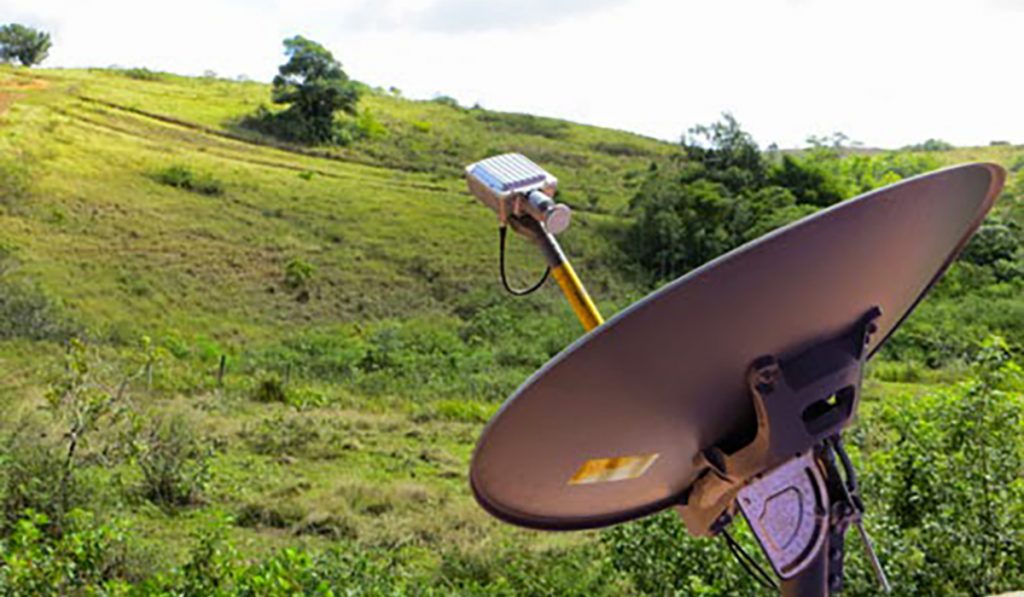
(26, 312)
(88, 558)
(182, 177)
(174, 462)
(997, 245)
(298, 273)
(36, 479)
(943, 475)
(446, 100)
(931, 145)
(140, 74)
(270, 389)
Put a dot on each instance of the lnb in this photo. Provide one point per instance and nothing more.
(514, 186)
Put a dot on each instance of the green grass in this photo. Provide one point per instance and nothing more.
(178, 225)
(362, 279)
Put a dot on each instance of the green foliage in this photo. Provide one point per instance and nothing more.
(944, 478)
(26, 45)
(809, 181)
(729, 155)
(314, 87)
(36, 478)
(29, 313)
(87, 558)
(174, 461)
(550, 572)
(140, 74)
(395, 397)
(661, 558)
(270, 389)
(680, 226)
(215, 568)
(446, 100)
(931, 145)
(726, 192)
(997, 245)
(298, 273)
(183, 177)
(83, 400)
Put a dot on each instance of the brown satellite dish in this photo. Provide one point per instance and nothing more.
(630, 418)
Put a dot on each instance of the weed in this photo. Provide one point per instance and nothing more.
(174, 462)
(183, 177)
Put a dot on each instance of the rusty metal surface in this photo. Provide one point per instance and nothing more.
(666, 377)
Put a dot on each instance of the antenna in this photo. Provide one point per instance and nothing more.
(522, 194)
(726, 391)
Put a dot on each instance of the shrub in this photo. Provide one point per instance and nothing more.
(183, 177)
(446, 100)
(174, 462)
(140, 74)
(298, 273)
(943, 475)
(26, 312)
(270, 389)
(368, 126)
(931, 145)
(661, 558)
(35, 478)
(88, 558)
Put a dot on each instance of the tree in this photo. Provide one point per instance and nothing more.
(809, 181)
(314, 86)
(24, 44)
(730, 154)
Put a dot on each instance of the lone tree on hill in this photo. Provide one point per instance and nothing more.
(314, 85)
(26, 45)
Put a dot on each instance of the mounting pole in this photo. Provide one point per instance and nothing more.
(574, 291)
(813, 580)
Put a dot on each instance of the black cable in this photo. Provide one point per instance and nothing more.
(502, 232)
(748, 562)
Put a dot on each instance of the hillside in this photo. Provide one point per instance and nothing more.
(352, 294)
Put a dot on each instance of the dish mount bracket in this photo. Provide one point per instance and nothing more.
(784, 480)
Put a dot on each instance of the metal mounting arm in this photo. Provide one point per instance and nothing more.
(569, 283)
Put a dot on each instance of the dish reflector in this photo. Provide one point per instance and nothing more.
(609, 429)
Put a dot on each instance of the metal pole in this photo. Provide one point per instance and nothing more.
(813, 580)
(582, 305)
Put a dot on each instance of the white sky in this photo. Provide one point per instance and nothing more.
(887, 73)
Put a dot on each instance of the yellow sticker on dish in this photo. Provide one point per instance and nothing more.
(604, 470)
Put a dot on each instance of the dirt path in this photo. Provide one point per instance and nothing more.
(11, 89)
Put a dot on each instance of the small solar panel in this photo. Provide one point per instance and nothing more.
(510, 172)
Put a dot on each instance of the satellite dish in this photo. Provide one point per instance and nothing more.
(741, 366)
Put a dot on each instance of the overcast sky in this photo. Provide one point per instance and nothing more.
(885, 72)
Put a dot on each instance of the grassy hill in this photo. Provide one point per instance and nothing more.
(351, 291)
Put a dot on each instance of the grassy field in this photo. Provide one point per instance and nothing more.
(351, 291)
